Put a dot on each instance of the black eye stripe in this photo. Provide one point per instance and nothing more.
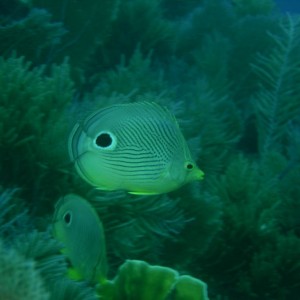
(67, 217)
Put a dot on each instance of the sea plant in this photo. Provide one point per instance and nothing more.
(28, 32)
(277, 101)
(87, 24)
(33, 123)
(12, 213)
(139, 280)
(19, 277)
(129, 220)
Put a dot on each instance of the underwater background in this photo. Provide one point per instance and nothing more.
(229, 71)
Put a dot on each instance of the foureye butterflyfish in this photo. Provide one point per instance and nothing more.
(137, 147)
(77, 225)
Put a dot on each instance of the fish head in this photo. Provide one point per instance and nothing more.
(184, 171)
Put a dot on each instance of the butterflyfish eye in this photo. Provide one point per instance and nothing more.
(189, 166)
(67, 218)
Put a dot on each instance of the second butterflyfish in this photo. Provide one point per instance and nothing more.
(77, 225)
(137, 147)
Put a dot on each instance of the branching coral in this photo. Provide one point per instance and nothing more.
(214, 126)
(130, 220)
(14, 217)
(138, 22)
(33, 36)
(253, 7)
(19, 278)
(277, 101)
(136, 75)
(33, 122)
(44, 250)
(87, 24)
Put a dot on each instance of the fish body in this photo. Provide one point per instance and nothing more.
(77, 225)
(137, 147)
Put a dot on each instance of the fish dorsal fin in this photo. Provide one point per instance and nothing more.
(130, 111)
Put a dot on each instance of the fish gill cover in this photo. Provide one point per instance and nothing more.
(230, 73)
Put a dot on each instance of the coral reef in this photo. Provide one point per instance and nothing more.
(138, 280)
(19, 278)
(229, 70)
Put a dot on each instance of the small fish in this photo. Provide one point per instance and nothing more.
(137, 147)
(77, 225)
